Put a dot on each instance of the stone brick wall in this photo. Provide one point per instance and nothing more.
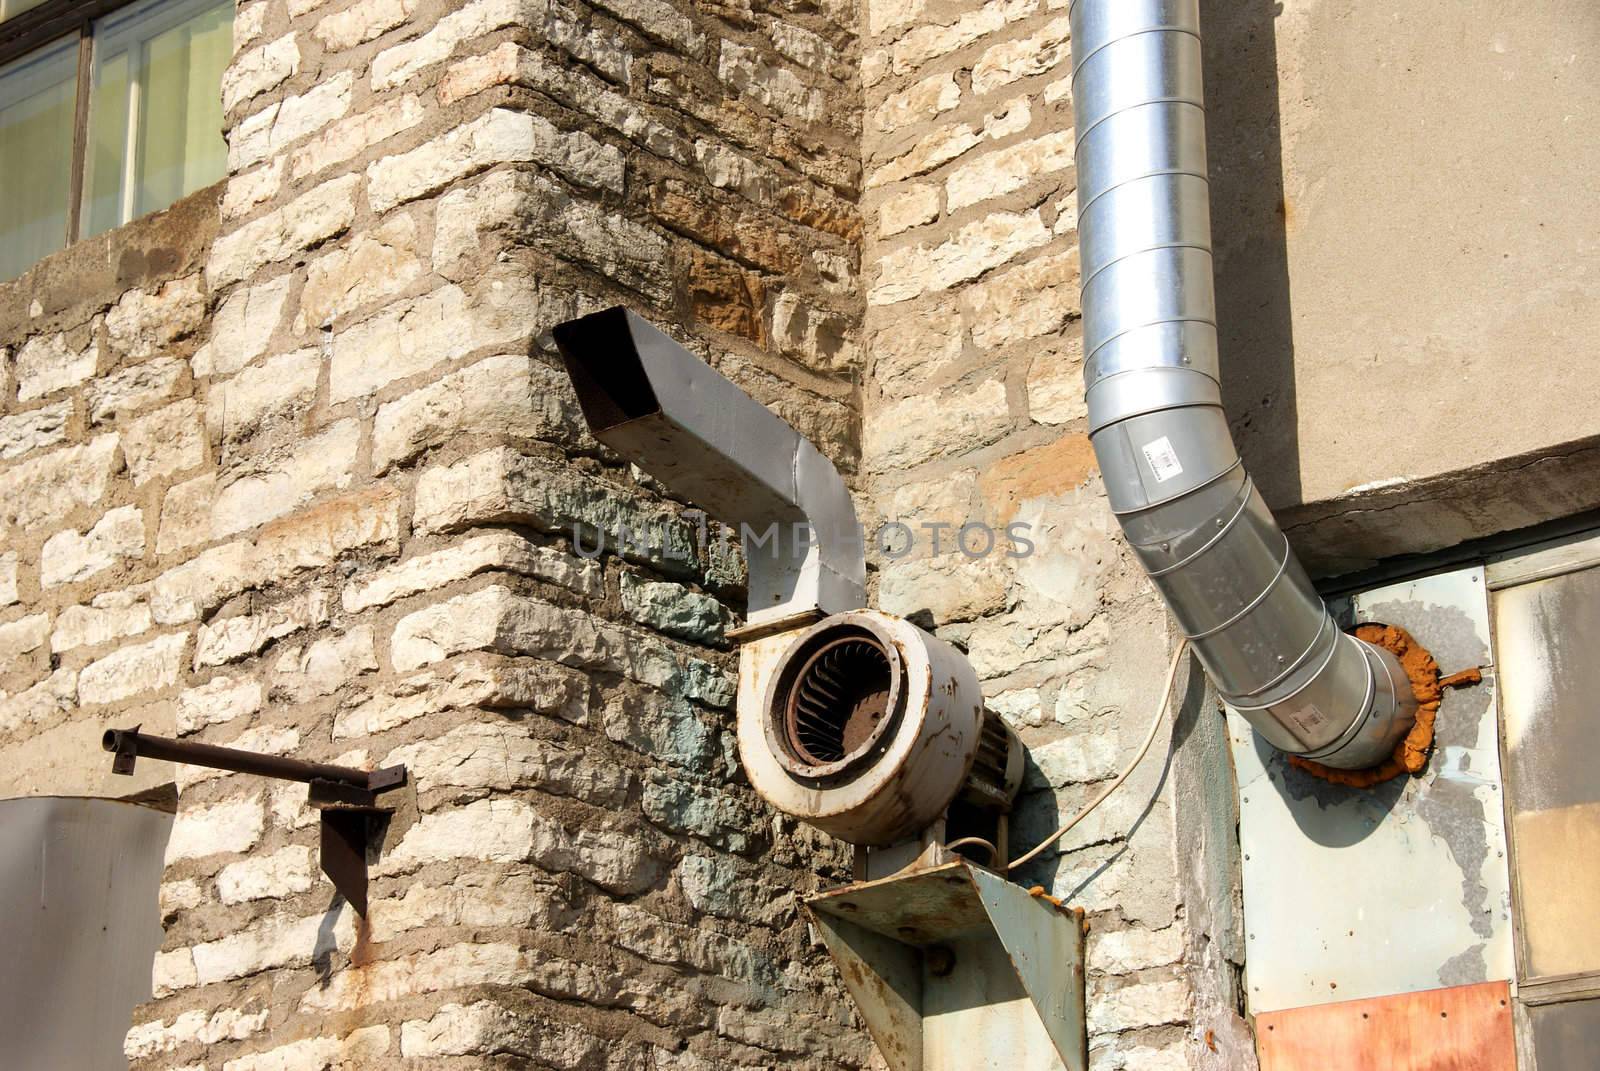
(973, 412)
(291, 467)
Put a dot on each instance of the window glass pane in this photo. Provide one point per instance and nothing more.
(10, 8)
(36, 111)
(1566, 1037)
(1546, 635)
(155, 113)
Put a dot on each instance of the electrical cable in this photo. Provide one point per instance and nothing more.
(1144, 748)
(974, 842)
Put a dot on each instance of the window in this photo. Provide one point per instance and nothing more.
(107, 112)
(1547, 628)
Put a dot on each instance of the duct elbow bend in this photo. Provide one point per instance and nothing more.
(1189, 510)
(680, 420)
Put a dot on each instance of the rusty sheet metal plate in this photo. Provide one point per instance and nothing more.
(80, 927)
(1467, 1028)
(1011, 997)
(1404, 887)
(919, 909)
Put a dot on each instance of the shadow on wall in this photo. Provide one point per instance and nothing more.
(1039, 812)
(1249, 223)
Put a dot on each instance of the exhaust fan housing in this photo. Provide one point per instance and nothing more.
(868, 728)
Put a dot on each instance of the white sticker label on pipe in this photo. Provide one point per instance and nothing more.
(1163, 459)
(1305, 717)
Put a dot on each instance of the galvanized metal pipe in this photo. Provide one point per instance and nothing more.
(1188, 508)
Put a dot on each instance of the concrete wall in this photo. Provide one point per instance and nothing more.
(1404, 206)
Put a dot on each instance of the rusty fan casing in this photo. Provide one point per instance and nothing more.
(867, 728)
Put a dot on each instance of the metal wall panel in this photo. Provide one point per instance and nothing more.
(80, 927)
(1404, 887)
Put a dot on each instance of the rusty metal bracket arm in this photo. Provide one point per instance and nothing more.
(347, 798)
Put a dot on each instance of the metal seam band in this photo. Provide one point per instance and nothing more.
(1147, 507)
(1129, 36)
(1248, 488)
(1209, 322)
(1283, 569)
(1139, 252)
(1106, 118)
(1083, 208)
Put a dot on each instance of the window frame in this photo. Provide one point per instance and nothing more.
(44, 25)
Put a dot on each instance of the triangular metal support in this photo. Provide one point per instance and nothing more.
(953, 968)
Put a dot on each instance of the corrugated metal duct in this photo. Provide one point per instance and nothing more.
(1186, 504)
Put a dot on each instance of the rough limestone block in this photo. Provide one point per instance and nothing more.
(325, 665)
(41, 489)
(1024, 57)
(502, 757)
(279, 388)
(375, 264)
(111, 615)
(166, 442)
(451, 967)
(48, 363)
(222, 699)
(478, 680)
(129, 390)
(230, 828)
(673, 609)
(315, 1054)
(283, 873)
(34, 430)
(1002, 171)
(21, 636)
(415, 334)
(159, 1037)
(243, 326)
(144, 323)
(497, 551)
(259, 70)
(503, 485)
(352, 136)
(319, 214)
(509, 395)
(229, 639)
(275, 942)
(283, 483)
(978, 247)
(68, 556)
(131, 671)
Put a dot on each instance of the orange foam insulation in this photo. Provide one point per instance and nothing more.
(1411, 753)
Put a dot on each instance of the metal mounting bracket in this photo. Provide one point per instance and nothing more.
(957, 969)
(346, 798)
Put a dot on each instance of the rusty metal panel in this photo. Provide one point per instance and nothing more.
(1548, 633)
(956, 969)
(1467, 1028)
(80, 926)
(1404, 887)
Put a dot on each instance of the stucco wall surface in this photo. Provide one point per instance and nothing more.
(1404, 203)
